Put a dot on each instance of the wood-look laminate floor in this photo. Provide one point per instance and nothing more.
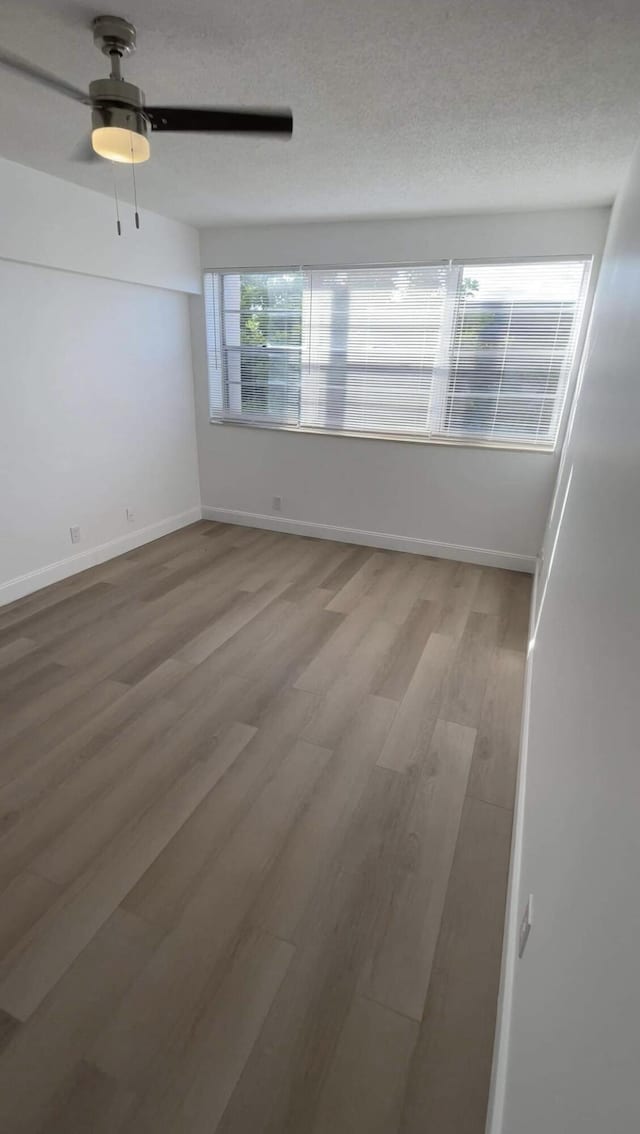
(255, 808)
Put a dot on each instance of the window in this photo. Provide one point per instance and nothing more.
(477, 352)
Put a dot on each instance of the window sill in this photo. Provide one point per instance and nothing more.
(361, 436)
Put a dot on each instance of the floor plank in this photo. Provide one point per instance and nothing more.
(163, 891)
(40, 1061)
(365, 1085)
(195, 954)
(8, 1028)
(448, 1084)
(401, 954)
(281, 1084)
(420, 707)
(89, 1101)
(48, 950)
(495, 758)
(196, 1089)
(22, 903)
(291, 884)
(466, 681)
(399, 666)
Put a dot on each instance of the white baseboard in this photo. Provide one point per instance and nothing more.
(484, 556)
(497, 1095)
(53, 572)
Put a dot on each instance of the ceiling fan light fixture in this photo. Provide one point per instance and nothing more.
(118, 144)
(120, 117)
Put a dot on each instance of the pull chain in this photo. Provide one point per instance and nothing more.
(115, 193)
(135, 192)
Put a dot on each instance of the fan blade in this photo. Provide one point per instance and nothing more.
(84, 152)
(209, 120)
(39, 75)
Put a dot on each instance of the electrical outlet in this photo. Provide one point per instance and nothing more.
(525, 926)
(276, 503)
(130, 515)
(74, 532)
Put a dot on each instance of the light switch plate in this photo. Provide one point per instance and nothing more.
(525, 926)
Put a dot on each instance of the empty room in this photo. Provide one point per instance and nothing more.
(319, 562)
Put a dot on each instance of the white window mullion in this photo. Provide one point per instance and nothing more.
(442, 370)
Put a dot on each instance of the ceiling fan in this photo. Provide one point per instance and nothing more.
(120, 118)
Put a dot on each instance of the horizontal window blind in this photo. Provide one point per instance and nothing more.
(479, 352)
(373, 341)
(512, 349)
(261, 316)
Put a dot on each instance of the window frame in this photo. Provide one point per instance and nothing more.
(589, 259)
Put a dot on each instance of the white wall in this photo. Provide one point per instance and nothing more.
(572, 1052)
(550, 233)
(54, 223)
(96, 395)
(483, 504)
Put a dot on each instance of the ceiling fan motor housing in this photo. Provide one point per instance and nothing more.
(115, 102)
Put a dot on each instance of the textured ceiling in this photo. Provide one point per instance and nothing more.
(400, 107)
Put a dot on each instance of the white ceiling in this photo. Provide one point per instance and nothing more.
(400, 107)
